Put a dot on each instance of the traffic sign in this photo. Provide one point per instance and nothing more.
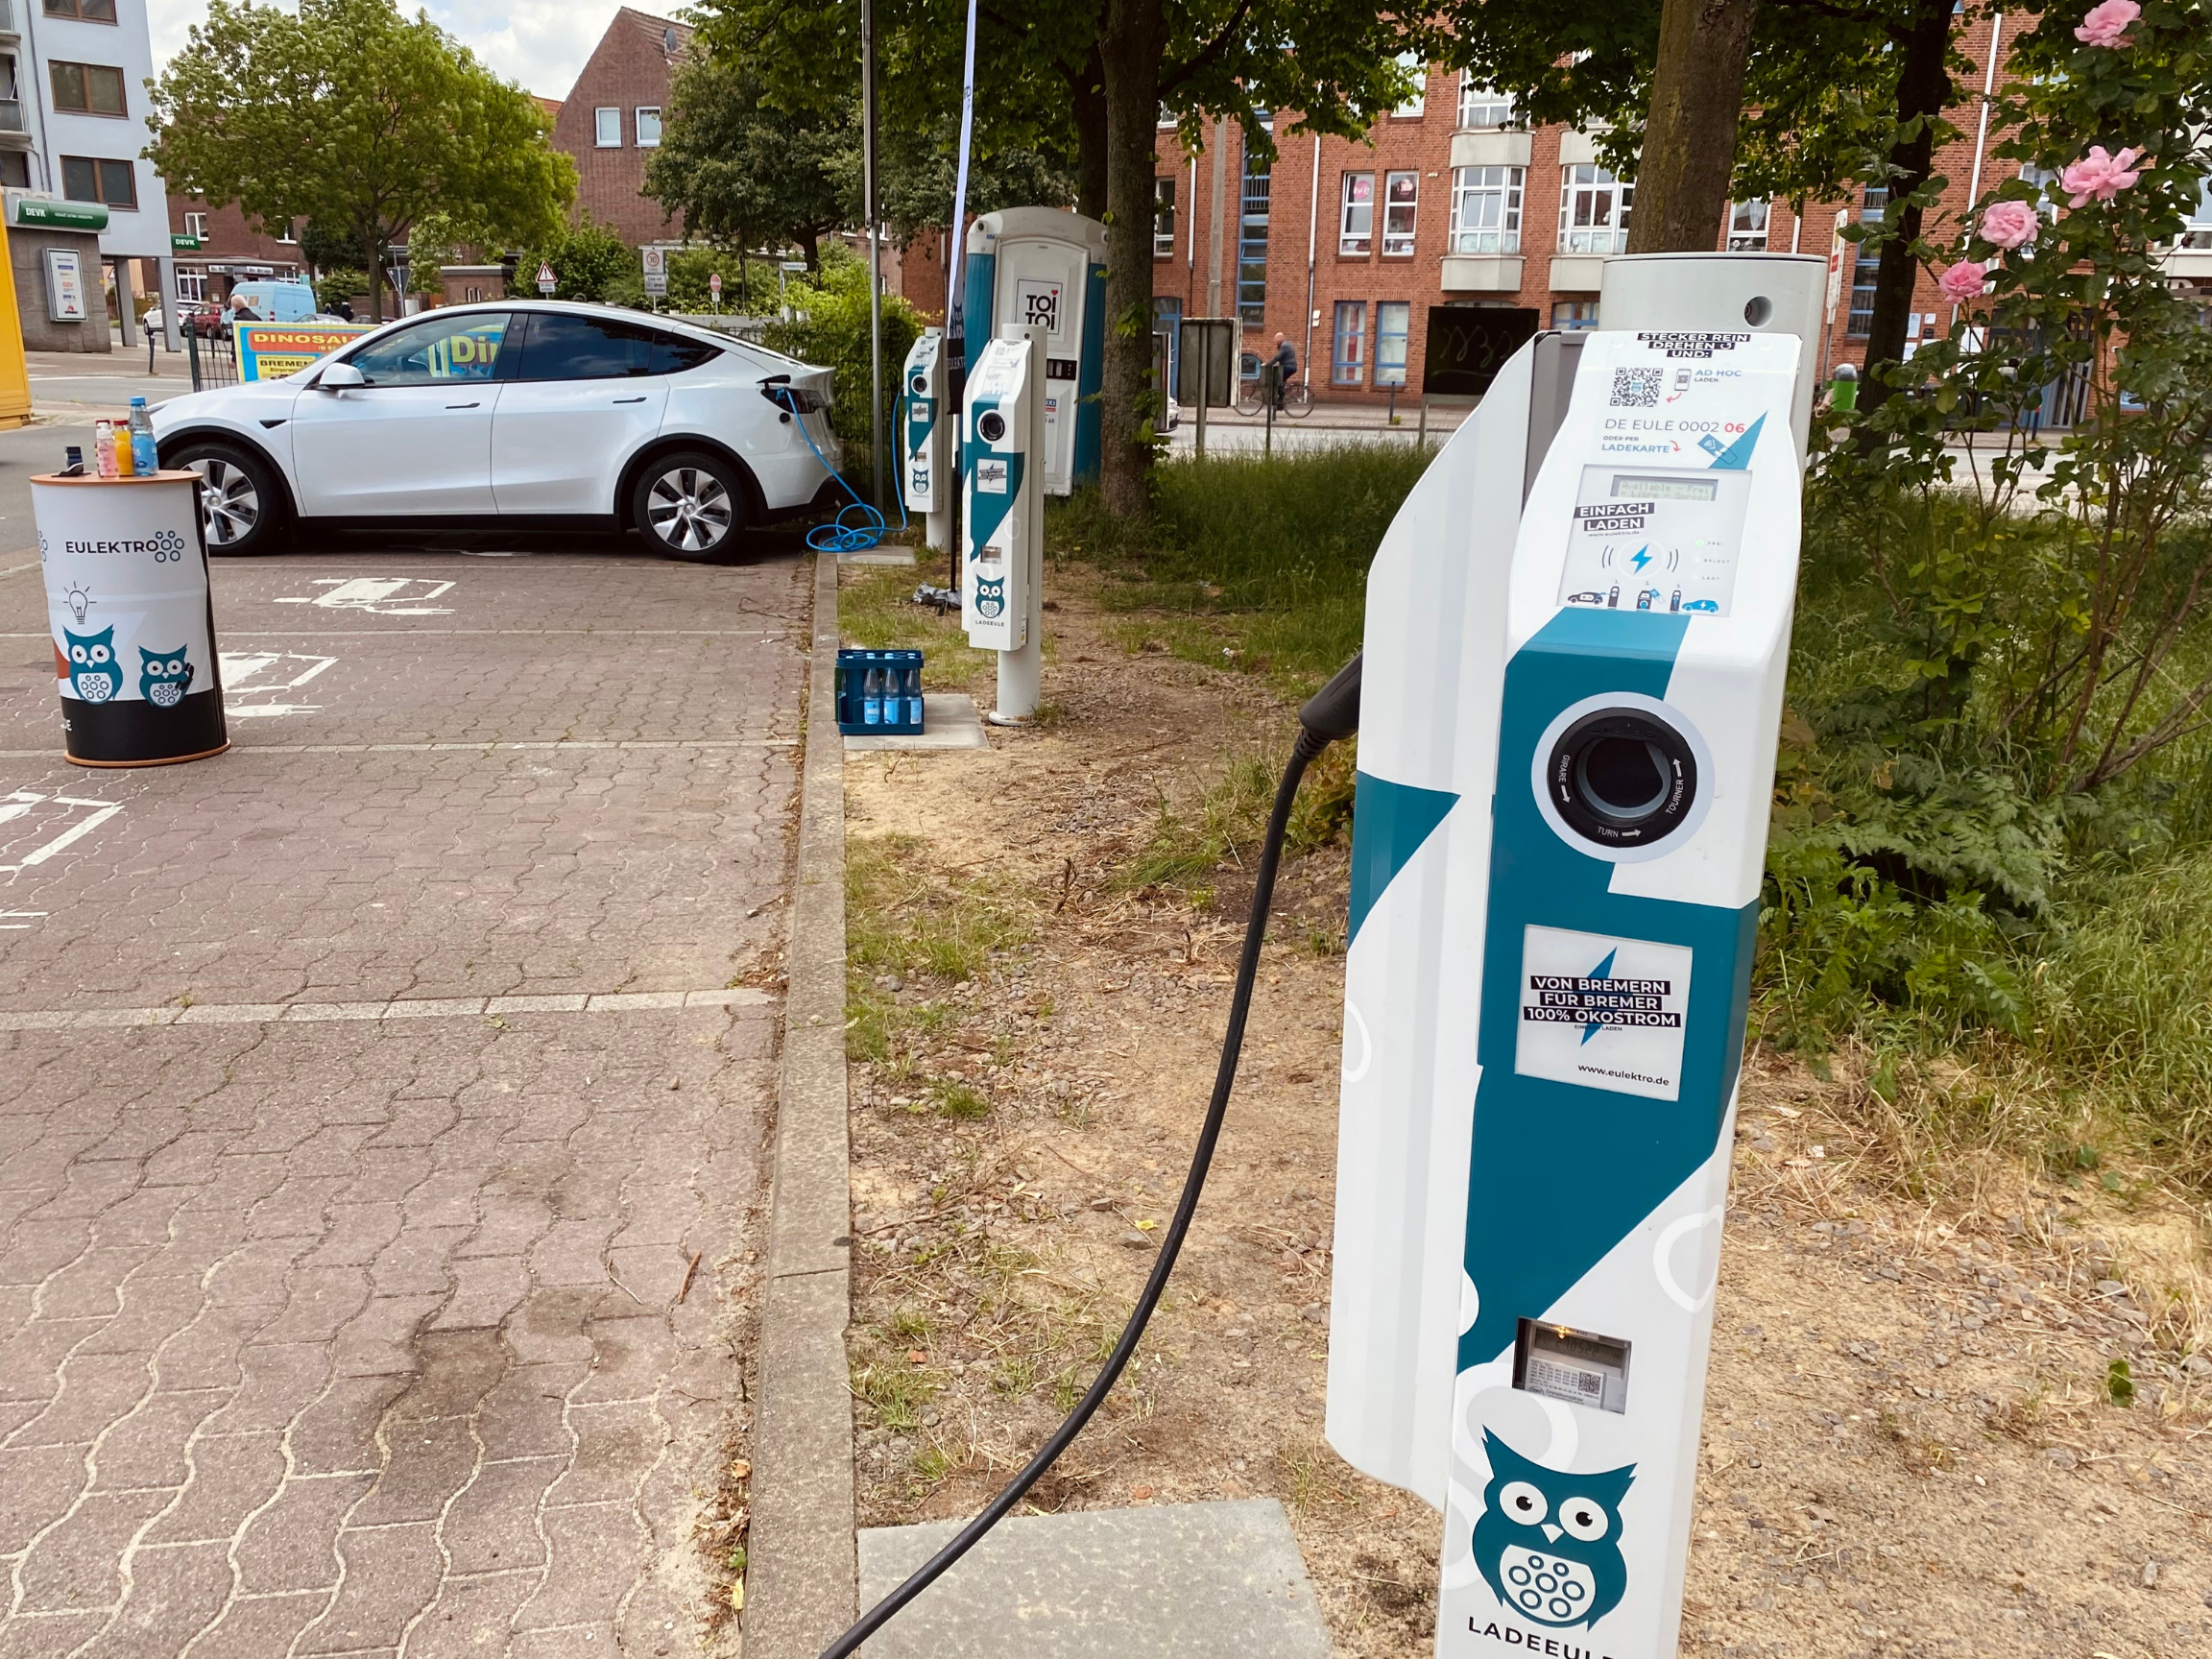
(714, 284)
(545, 282)
(656, 269)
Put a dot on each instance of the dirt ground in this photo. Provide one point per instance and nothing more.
(1910, 1447)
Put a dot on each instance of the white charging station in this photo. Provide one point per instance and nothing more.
(924, 477)
(1577, 629)
(1002, 513)
(1046, 268)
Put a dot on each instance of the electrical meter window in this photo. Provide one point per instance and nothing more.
(1578, 1366)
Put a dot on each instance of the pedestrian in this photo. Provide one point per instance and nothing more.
(343, 308)
(241, 312)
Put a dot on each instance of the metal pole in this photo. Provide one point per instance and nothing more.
(1205, 386)
(875, 252)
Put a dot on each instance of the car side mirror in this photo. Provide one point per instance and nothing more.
(338, 377)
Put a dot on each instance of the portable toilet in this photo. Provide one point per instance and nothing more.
(1046, 267)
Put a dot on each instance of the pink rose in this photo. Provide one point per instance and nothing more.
(2099, 175)
(2008, 225)
(2105, 24)
(1962, 281)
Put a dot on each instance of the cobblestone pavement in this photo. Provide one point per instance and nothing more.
(367, 1095)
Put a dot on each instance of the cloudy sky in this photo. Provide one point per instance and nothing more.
(537, 44)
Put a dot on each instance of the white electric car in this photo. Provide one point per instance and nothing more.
(513, 416)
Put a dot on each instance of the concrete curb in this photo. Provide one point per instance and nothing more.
(801, 1573)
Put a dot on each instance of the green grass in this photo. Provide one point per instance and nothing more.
(876, 611)
(1192, 839)
(899, 921)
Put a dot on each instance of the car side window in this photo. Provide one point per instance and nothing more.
(673, 353)
(563, 346)
(436, 352)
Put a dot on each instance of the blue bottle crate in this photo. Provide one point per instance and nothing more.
(879, 693)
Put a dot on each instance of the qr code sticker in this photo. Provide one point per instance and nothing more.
(1637, 388)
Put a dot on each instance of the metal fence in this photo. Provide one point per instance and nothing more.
(214, 357)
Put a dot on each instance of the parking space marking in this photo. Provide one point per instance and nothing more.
(242, 666)
(24, 802)
(18, 570)
(15, 921)
(382, 594)
(402, 1008)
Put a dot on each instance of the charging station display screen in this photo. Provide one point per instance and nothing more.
(1656, 540)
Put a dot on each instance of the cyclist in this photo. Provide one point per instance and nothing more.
(1285, 368)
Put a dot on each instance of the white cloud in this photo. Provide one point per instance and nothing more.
(538, 44)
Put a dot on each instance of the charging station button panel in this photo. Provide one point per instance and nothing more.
(1656, 539)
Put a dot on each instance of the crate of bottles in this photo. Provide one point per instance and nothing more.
(879, 693)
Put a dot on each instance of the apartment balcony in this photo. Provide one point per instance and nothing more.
(2190, 258)
(14, 122)
(8, 28)
(1578, 272)
(1496, 149)
(1482, 273)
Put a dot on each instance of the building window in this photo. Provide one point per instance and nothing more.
(1252, 245)
(1393, 320)
(287, 233)
(83, 11)
(1747, 227)
(196, 226)
(1417, 100)
(1860, 323)
(608, 127)
(88, 88)
(87, 178)
(1486, 209)
(1481, 105)
(191, 284)
(1164, 218)
(1348, 360)
(1356, 221)
(1593, 212)
(1400, 195)
(2196, 231)
(649, 127)
(1574, 314)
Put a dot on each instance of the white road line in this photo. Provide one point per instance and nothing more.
(17, 570)
(405, 1008)
(23, 800)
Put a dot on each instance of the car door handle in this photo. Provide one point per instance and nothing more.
(476, 405)
(629, 399)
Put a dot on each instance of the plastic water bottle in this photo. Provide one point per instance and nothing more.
(144, 461)
(914, 694)
(872, 698)
(104, 450)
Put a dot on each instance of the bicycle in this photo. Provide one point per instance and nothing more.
(1297, 401)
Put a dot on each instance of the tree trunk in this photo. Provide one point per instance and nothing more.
(1923, 91)
(1088, 86)
(1130, 46)
(372, 256)
(1690, 136)
(811, 249)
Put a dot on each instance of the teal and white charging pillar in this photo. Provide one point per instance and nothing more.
(1576, 634)
(1002, 513)
(924, 475)
(1046, 267)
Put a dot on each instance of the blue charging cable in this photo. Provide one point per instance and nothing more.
(863, 532)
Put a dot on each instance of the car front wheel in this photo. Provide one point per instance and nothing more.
(241, 504)
(688, 505)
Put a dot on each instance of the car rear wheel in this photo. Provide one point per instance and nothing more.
(241, 504)
(688, 505)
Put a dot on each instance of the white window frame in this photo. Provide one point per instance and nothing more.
(2196, 229)
(1749, 224)
(288, 233)
(1571, 315)
(1387, 374)
(1356, 219)
(1583, 187)
(192, 285)
(196, 226)
(1487, 206)
(1418, 103)
(638, 119)
(1163, 217)
(1399, 214)
(599, 126)
(1349, 370)
(1483, 108)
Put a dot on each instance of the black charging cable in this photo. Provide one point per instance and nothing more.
(1332, 714)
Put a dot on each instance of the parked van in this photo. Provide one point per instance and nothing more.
(278, 301)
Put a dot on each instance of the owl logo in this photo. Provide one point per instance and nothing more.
(1548, 1543)
(163, 676)
(990, 598)
(93, 672)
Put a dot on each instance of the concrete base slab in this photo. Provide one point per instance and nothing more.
(948, 721)
(879, 556)
(1204, 1579)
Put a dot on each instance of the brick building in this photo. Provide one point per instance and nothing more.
(1346, 248)
(230, 250)
(612, 118)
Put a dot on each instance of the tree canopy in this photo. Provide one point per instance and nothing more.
(355, 118)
